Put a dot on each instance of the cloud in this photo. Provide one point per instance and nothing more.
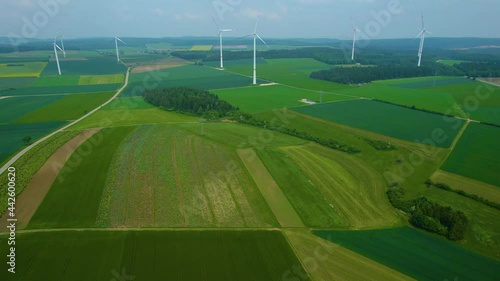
(159, 12)
(188, 16)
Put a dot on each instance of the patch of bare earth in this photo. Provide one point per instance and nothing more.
(28, 201)
(159, 65)
(491, 80)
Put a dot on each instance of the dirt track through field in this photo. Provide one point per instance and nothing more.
(274, 196)
(32, 196)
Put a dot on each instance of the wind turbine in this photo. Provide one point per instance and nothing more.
(356, 30)
(117, 51)
(255, 36)
(422, 33)
(57, 58)
(221, 31)
(62, 45)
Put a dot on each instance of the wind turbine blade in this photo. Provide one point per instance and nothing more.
(423, 26)
(120, 40)
(245, 36)
(261, 39)
(256, 24)
(58, 47)
(216, 24)
(227, 30)
(419, 35)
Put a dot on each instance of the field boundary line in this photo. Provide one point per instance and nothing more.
(454, 143)
(24, 151)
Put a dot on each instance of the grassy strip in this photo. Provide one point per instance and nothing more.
(475, 197)
(31, 162)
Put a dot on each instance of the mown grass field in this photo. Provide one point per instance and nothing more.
(386, 119)
(425, 82)
(153, 255)
(17, 107)
(468, 185)
(12, 135)
(73, 200)
(330, 189)
(101, 79)
(201, 77)
(259, 99)
(326, 261)
(163, 169)
(69, 107)
(476, 154)
(416, 254)
(89, 66)
(21, 69)
(292, 72)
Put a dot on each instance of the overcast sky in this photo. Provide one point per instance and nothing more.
(279, 18)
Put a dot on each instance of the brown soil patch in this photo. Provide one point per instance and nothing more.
(491, 80)
(32, 196)
(159, 65)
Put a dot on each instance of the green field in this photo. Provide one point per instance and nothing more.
(73, 200)
(330, 189)
(67, 108)
(291, 72)
(420, 98)
(12, 135)
(200, 77)
(17, 107)
(476, 154)
(416, 254)
(152, 255)
(101, 79)
(451, 62)
(61, 90)
(8, 84)
(22, 69)
(386, 119)
(162, 169)
(426, 82)
(259, 99)
(54, 81)
(89, 66)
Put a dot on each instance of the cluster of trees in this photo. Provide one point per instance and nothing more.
(380, 144)
(446, 187)
(357, 75)
(209, 106)
(480, 69)
(193, 101)
(429, 215)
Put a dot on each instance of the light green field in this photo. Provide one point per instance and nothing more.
(292, 72)
(416, 253)
(17, 107)
(330, 189)
(468, 185)
(101, 79)
(46, 81)
(202, 48)
(163, 169)
(70, 107)
(267, 98)
(326, 261)
(23, 69)
(152, 255)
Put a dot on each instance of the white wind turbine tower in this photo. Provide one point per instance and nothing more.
(57, 58)
(221, 31)
(423, 31)
(356, 30)
(255, 36)
(117, 51)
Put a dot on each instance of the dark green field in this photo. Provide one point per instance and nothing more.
(152, 255)
(16, 107)
(96, 66)
(386, 119)
(9, 83)
(417, 254)
(12, 135)
(428, 82)
(73, 200)
(476, 154)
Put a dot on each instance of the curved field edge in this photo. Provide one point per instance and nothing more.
(325, 261)
(154, 255)
(73, 199)
(31, 162)
(415, 253)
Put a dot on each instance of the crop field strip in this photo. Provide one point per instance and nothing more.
(378, 117)
(91, 66)
(54, 90)
(468, 185)
(417, 254)
(17, 107)
(24, 69)
(149, 255)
